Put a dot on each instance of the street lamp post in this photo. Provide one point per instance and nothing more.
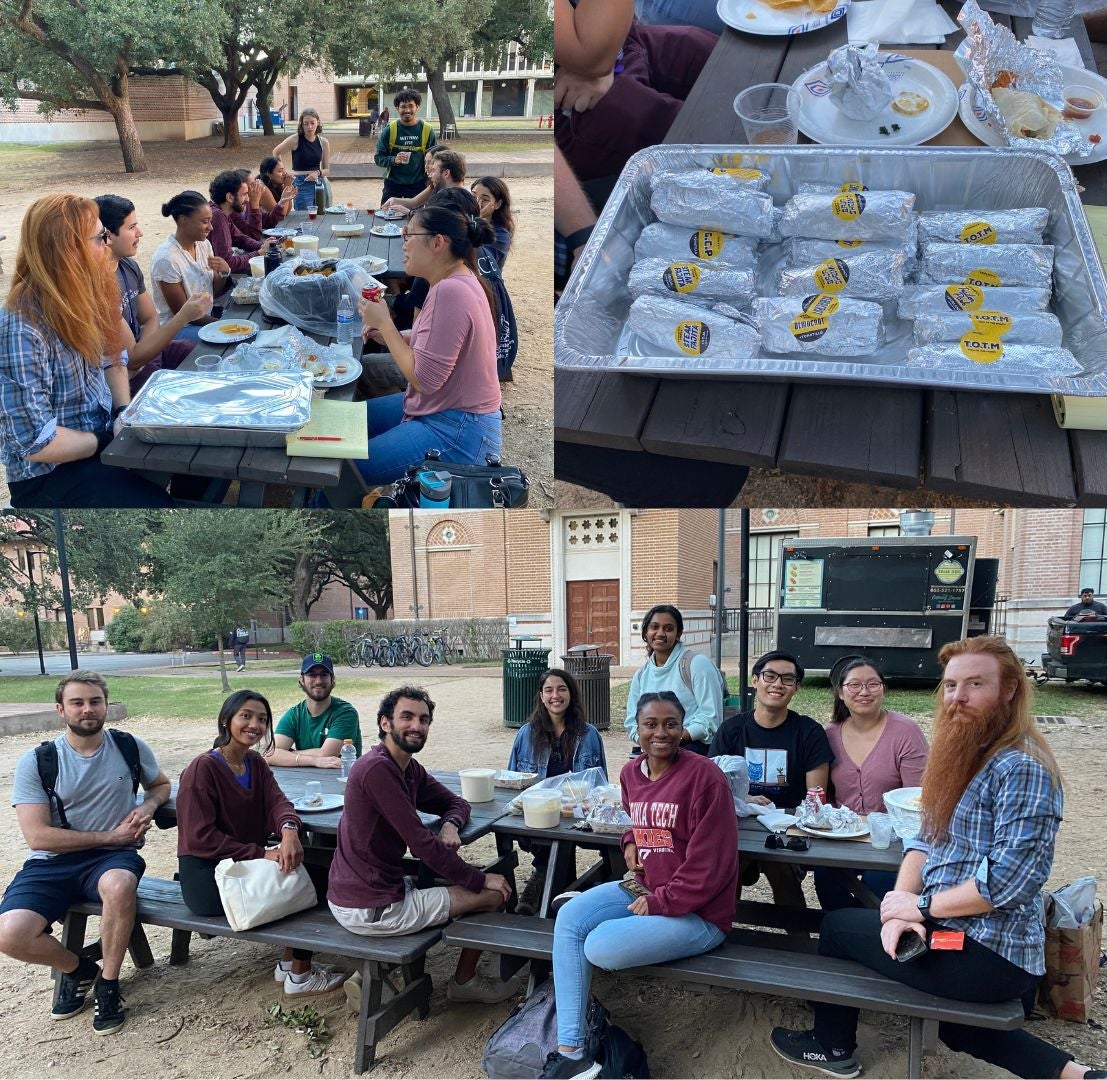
(34, 600)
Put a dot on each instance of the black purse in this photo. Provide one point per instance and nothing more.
(491, 486)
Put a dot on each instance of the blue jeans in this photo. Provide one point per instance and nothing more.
(701, 13)
(833, 894)
(591, 932)
(396, 443)
(305, 193)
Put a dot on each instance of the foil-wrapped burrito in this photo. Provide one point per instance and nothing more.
(859, 85)
(1023, 226)
(942, 299)
(873, 275)
(704, 200)
(744, 175)
(692, 280)
(821, 324)
(678, 326)
(992, 264)
(1027, 328)
(802, 250)
(852, 215)
(662, 241)
(995, 355)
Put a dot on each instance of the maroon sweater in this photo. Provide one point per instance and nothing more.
(225, 234)
(254, 221)
(380, 821)
(217, 818)
(686, 832)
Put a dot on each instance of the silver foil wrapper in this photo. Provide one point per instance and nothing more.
(872, 275)
(704, 200)
(990, 53)
(1028, 328)
(981, 227)
(801, 250)
(744, 174)
(820, 324)
(997, 357)
(854, 215)
(942, 299)
(673, 242)
(677, 327)
(859, 85)
(691, 280)
(988, 264)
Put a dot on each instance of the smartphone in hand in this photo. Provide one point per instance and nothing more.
(633, 887)
(909, 946)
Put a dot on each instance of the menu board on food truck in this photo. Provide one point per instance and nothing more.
(803, 583)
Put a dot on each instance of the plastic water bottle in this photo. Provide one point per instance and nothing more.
(1053, 18)
(346, 326)
(348, 755)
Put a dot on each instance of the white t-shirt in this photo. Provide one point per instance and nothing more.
(173, 264)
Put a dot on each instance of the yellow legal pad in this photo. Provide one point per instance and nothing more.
(337, 429)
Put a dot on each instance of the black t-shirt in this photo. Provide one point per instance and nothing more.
(779, 758)
(1094, 608)
(559, 763)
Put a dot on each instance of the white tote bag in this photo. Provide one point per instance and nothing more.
(255, 892)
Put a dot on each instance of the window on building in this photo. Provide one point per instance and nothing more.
(95, 616)
(884, 530)
(764, 561)
(1093, 552)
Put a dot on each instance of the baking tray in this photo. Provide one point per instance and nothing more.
(220, 409)
(589, 324)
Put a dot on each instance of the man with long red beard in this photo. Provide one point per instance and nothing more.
(991, 803)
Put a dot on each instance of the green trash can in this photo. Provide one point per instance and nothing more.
(522, 670)
(592, 671)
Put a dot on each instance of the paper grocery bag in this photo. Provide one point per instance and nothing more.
(1072, 968)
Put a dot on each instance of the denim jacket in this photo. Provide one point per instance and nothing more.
(588, 753)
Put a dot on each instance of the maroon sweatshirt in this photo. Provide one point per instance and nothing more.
(380, 821)
(686, 832)
(217, 818)
(253, 221)
(225, 235)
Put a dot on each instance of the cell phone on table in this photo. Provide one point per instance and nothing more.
(633, 887)
(909, 946)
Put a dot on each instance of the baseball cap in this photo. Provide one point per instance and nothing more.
(316, 659)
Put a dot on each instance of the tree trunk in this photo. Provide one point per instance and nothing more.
(232, 137)
(263, 100)
(223, 666)
(119, 105)
(380, 609)
(436, 81)
(302, 576)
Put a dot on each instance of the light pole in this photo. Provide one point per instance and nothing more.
(34, 601)
(67, 599)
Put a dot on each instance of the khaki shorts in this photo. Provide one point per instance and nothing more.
(418, 910)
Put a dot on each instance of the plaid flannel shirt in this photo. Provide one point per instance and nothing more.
(44, 384)
(1001, 835)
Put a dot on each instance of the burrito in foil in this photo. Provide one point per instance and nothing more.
(802, 250)
(705, 200)
(872, 275)
(750, 177)
(678, 326)
(720, 249)
(852, 215)
(859, 85)
(690, 279)
(992, 354)
(1027, 328)
(942, 299)
(820, 324)
(993, 264)
(1023, 226)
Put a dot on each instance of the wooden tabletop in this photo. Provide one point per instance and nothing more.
(1002, 447)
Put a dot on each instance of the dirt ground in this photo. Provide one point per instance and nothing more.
(96, 170)
(218, 1001)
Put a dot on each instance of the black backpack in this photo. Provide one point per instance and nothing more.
(507, 332)
(620, 1057)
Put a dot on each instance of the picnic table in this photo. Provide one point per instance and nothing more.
(257, 467)
(695, 438)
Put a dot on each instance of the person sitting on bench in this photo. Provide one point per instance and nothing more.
(682, 851)
(991, 806)
(74, 799)
(228, 805)
(311, 733)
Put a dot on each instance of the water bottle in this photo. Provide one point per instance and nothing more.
(346, 326)
(348, 755)
(434, 489)
(272, 260)
(1053, 18)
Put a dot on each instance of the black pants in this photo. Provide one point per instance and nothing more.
(88, 482)
(974, 974)
(239, 650)
(392, 190)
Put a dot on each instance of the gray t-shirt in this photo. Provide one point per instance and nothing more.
(95, 791)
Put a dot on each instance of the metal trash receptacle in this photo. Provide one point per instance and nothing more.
(522, 670)
(364, 126)
(592, 671)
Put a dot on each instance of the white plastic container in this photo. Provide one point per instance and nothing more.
(477, 785)
(541, 808)
(257, 266)
(306, 243)
(903, 808)
(330, 253)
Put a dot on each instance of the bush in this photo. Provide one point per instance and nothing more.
(18, 634)
(167, 629)
(126, 629)
(331, 638)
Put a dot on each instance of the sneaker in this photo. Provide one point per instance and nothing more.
(559, 901)
(802, 1048)
(110, 1015)
(530, 899)
(352, 987)
(481, 988)
(74, 989)
(317, 984)
(563, 1068)
(282, 973)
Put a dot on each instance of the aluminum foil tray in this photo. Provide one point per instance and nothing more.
(590, 330)
(218, 409)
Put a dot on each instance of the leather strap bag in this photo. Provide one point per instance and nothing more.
(255, 892)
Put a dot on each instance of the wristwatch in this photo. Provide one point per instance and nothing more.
(924, 904)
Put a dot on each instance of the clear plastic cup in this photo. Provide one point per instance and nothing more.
(880, 830)
(207, 362)
(769, 113)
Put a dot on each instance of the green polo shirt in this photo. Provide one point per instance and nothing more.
(308, 732)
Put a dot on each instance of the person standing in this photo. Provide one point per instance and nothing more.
(311, 157)
(401, 146)
(311, 733)
(240, 639)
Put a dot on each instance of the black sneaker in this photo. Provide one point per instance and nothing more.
(531, 896)
(563, 1068)
(74, 989)
(110, 1014)
(802, 1048)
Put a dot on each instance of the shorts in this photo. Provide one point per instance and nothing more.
(420, 909)
(50, 887)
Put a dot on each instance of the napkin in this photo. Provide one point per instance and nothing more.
(274, 339)
(1065, 49)
(914, 22)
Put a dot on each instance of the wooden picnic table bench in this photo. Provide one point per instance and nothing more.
(756, 964)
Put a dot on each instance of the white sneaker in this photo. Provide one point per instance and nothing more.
(281, 973)
(481, 988)
(317, 984)
(352, 987)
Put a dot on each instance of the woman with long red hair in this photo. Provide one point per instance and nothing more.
(63, 374)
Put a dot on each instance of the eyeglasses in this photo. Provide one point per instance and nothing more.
(407, 234)
(856, 687)
(770, 677)
(791, 843)
(100, 238)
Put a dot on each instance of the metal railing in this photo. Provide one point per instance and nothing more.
(761, 628)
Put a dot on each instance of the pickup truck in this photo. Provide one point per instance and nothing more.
(1076, 649)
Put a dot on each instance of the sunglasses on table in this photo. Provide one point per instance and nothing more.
(791, 843)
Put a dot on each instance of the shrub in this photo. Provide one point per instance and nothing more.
(18, 634)
(166, 629)
(126, 629)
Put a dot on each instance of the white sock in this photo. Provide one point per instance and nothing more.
(299, 978)
(285, 965)
(574, 1055)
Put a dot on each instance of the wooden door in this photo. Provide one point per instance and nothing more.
(593, 608)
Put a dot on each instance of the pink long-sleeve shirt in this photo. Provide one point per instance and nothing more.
(897, 760)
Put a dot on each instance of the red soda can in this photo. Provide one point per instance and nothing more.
(814, 793)
(373, 293)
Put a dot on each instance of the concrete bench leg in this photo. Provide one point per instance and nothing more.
(374, 1020)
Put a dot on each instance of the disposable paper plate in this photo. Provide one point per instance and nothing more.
(328, 802)
(347, 230)
(757, 17)
(826, 834)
